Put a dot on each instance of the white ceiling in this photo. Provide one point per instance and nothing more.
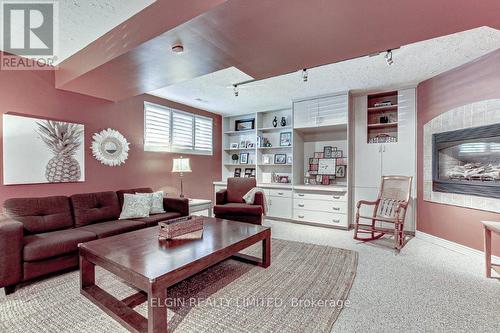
(412, 64)
(83, 21)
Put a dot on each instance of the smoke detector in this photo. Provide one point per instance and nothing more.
(177, 48)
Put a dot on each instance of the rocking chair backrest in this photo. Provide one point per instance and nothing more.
(393, 191)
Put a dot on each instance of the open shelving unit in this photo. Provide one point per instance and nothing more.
(382, 117)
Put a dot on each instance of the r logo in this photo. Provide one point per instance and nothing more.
(28, 28)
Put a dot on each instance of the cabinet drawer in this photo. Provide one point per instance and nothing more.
(331, 196)
(320, 217)
(274, 192)
(319, 205)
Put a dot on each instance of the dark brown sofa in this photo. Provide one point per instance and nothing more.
(39, 236)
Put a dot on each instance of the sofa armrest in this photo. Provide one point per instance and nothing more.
(221, 197)
(180, 205)
(259, 199)
(11, 249)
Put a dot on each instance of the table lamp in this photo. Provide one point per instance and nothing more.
(181, 165)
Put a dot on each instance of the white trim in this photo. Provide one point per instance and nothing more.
(454, 246)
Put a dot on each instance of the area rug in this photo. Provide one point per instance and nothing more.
(304, 290)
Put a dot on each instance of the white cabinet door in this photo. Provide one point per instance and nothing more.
(280, 207)
(367, 156)
(332, 110)
(305, 113)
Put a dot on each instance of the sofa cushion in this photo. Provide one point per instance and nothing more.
(238, 208)
(96, 207)
(40, 215)
(120, 193)
(238, 187)
(54, 243)
(111, 228)
(135, 206)
(154, 219)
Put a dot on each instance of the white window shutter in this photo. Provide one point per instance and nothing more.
(203, 135)
(156, 128)
(182, 131)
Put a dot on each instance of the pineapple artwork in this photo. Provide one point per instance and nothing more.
(63, 140)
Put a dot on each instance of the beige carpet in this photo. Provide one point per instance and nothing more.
(300, 292)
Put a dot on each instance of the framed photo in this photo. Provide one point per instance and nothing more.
(250, 145)
(249, 172)
(318, 155)
(243, 144)
(280, 159)
(237, 172)
(244, 124)
(312, 181)
(244, 158)
(327, 151)
(319, 179)
(266, 159)
(285, 139)
(325, 180)
(327, 166)
(234, 145)
(313, 173)
(313, 161)
(313, 167)
(337, 154)
(289, 159)
(340, 171)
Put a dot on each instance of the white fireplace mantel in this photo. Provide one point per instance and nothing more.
(481, 113)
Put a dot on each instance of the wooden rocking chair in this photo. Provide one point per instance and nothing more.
(389, 208)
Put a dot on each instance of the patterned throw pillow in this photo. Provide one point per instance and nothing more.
(135, 206)
(156, 202)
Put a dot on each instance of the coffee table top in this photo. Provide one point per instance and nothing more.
(141, 252)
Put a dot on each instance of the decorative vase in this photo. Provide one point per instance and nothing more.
(283, 121)
(275, 122)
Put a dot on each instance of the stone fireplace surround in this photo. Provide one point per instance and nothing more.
(481, 113)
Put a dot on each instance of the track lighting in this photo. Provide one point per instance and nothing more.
(388, 57)
(305, 75)
(236, 91)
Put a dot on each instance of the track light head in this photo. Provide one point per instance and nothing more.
(305, 75)
(388, 57)
(236, 90)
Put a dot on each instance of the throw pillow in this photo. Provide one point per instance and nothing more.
(135, 206)
(156, 202)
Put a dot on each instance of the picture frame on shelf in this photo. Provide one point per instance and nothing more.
(266, 159)
(285, 139)
(250, 145)
(337, 154)
(234, 145)
(237, 172)
(284, 179)
(326, 166)
(325, 180)
(280, 159)
(289, 159)
(244, 124)
(340, 171)
(313, 161)
(312, 181)
(243, 144)
(327, 151)
(244, 158)
(318, 155)
(249, 172)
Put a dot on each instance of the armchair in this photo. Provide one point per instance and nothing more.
(389, 212)
(231, 206)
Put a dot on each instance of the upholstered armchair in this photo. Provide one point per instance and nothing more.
(231, 206)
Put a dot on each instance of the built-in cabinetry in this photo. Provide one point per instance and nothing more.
(311, 125)
(374, 160)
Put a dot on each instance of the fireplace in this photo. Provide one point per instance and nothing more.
(467, 161)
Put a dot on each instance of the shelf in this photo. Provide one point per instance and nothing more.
(393, 124)
(238, 149)
(276, 147)
(275, 185)
(240, 132)
(325, 188)
(393, 108)
(238, 164)
(270, 129)
(274, 164)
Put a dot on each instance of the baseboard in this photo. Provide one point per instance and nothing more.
(454, 246)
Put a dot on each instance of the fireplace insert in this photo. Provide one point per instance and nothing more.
(467, 161)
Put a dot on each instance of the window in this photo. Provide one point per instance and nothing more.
(170, 130)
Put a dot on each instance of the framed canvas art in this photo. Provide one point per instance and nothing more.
(42, 151)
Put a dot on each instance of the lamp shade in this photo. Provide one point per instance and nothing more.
(181, 165)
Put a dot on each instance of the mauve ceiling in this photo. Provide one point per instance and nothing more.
(261, 38)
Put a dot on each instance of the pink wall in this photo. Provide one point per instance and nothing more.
(472, 82)
(33, 93)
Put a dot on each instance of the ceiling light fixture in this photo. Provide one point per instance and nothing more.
(388, 57)
(236, 91)
(177, 48)
(305, 75)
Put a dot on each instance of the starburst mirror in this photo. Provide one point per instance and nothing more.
(110, 147)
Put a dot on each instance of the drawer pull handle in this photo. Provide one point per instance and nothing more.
(300, 195)
(335, 221)
(301, 205)
(280, 193)
(301, 216)
(336, 197)
(336, 208)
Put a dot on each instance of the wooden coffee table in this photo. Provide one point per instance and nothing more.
(153, 265)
